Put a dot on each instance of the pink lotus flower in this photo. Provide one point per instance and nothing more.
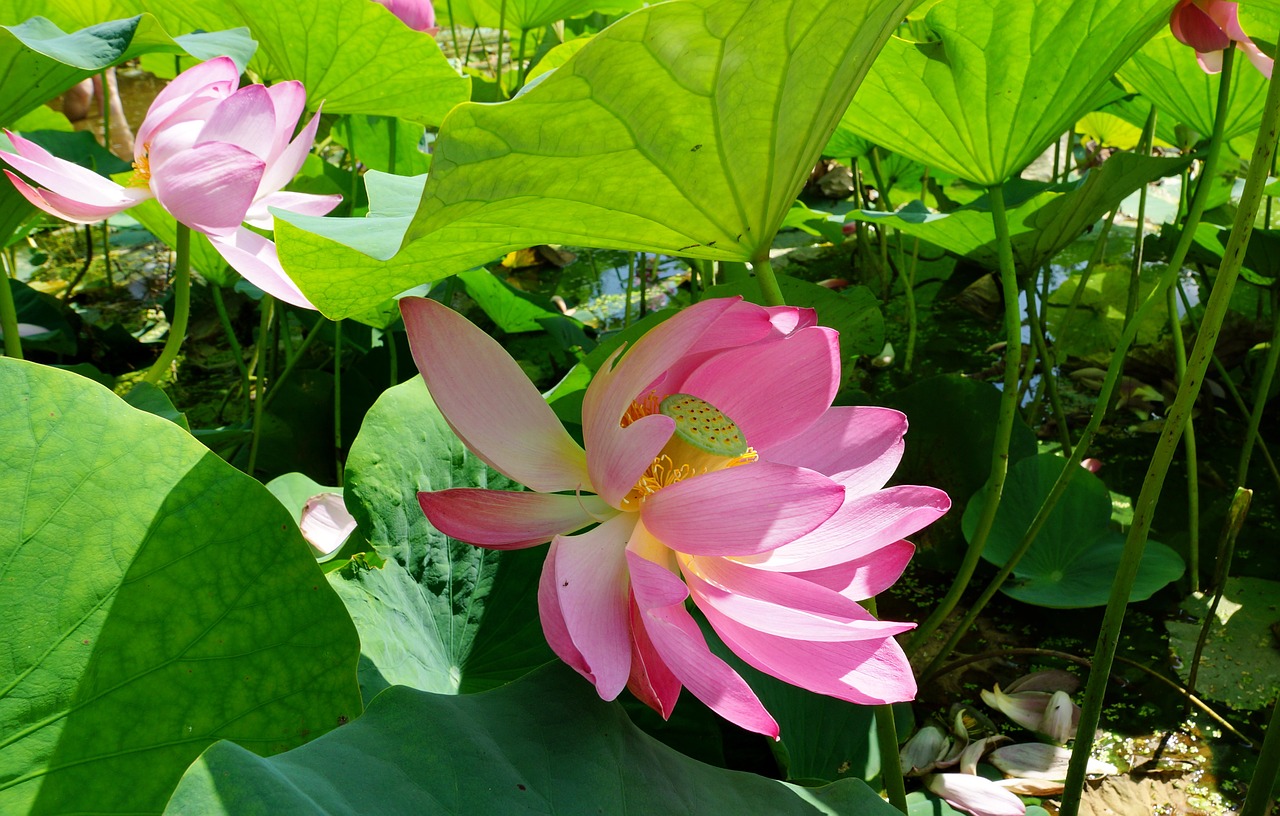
(774, 522)
(1209, 26)
(419, 15)
(214, 155)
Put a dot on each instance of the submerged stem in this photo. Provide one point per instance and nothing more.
(1004, 424)
(181, 307)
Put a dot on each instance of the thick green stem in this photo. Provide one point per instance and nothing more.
(887, 741)
(181, 307)
(502, 31)
(1046, 368)
(9, 318)
(1004, 424)
(1258, 800)
(453, 29)
(520, 66)
(1144, 507)
(260, 387)
(1189, 445)
(1144, 149)
(770, 292)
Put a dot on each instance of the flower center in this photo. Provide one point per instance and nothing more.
(705, 440)
(142, 168)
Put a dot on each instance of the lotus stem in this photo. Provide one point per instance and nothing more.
(181, 307)
(1258, 799)
(9, 316)
(1226, 550)
(1144, 149)
(887, 740)
(1004, 425)
(1210, 326)
(1261, 390)
(236, 351)
(770, 292)
(1099, 249)
(1189, 445)
(267, 306)
(502, 31)
(1041, 345)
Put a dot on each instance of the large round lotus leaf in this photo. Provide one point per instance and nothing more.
(154, 600)
(543, 744)
(441, 615)
(1075, 557)
(1240, 665)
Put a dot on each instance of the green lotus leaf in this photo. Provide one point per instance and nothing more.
(156, 600)
(656, 136)
(543, 744)
(998, 81)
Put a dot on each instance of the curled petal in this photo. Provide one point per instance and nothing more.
(1192, 26)
(209, 189)
(552, 617)
(741, 510)
(792, 382)
(287, 162)
(591, 588)
(72, 192)
(780, 604)
(616, 386)
(508, 519)
(326, 523)
(862, 525)
(975, 794)
(255, 258)
(1026, 708)
(867, 576)
(489, 402)
(246, 119)
(859, 446)
(188, 95)
(973, 753)
(1061, 717)
(1035, 760)
(289, 100)
(259, 214)
(866, 672)
(922, 751)
(72, 210)
(675, 636)
(651, 681)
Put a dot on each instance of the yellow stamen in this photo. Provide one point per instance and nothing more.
(142, 168)
(646, 406)
(705, 440)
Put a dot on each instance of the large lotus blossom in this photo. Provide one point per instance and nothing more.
(714, 468)
(214, 155)
(419, 15)
(1209, 26)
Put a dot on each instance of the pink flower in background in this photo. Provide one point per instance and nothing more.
(714, 468)
(419, 15)
(214, 155)
(1209, 26)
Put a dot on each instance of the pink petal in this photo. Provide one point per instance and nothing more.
(1192, 26)
(862, 525)
(651, 681)
(416, 14)
(975, 794)
(289, 100)
(867, 576)
(619, 456)
(858, 446)
(199, 86)
(1210, 61)
(782, 605)
(659, 596)
(741, 324)
(552, 617)
(325, 522)
(208, 188)
(246, 119)
(773, 390)
(742, 510)
(255, 258)
(1261, 61)
(259, 214)
(591, 586)
(72, 186)
(285, 165)
(489, 402)
(508, 519)
(866, 672)
(70, 209)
